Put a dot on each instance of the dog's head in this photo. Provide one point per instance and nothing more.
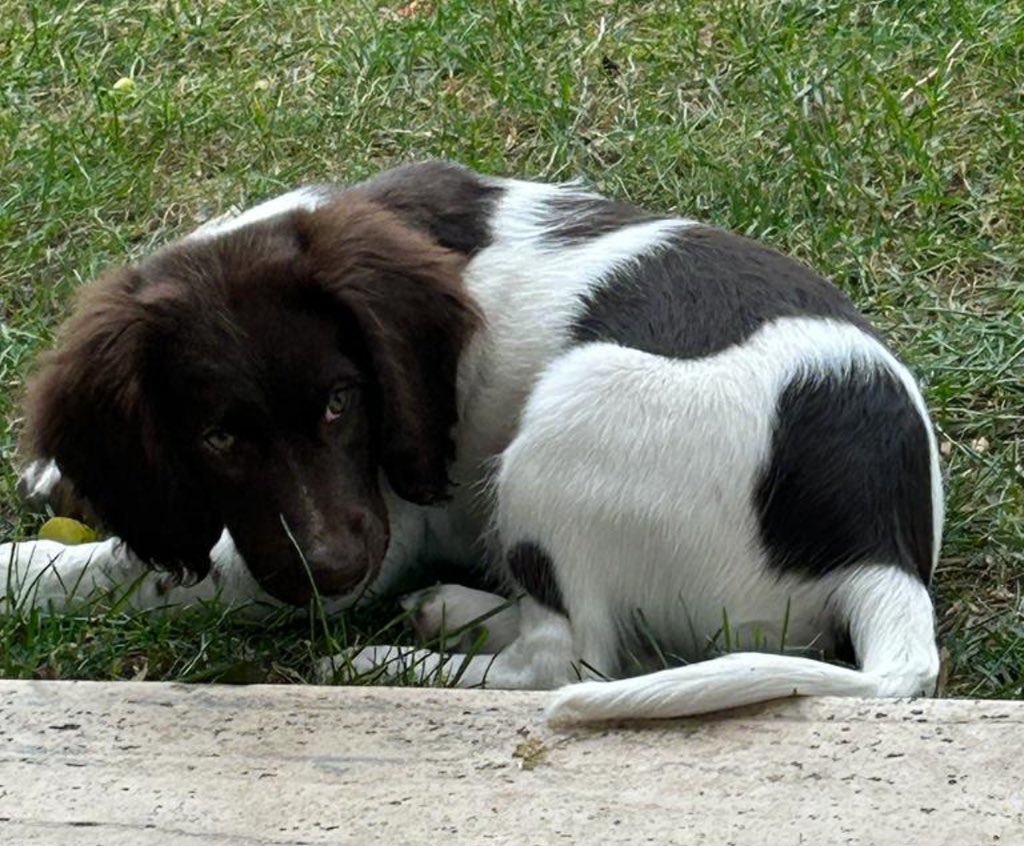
(260, 380)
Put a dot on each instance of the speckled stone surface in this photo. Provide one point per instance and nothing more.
(147, 763)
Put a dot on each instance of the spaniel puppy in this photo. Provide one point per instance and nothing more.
(667, 439)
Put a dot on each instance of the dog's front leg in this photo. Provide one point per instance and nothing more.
(540, 657)
(463, 618)
(58, 578)
(52, 576)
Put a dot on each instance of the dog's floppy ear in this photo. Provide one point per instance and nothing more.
(90, 407)
(405, 293)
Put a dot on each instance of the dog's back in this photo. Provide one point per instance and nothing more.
(703, 446)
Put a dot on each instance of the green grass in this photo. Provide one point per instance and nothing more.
(882, 142)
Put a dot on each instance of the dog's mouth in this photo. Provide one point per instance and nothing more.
(345, 571)
(300, 587)
(351, 594)
(334, 584)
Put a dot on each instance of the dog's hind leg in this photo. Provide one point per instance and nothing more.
(891, 625)
(540, 658)
(888, 612)
(892, 628)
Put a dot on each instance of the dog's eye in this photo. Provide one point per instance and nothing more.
(218, 439)
(338, 402)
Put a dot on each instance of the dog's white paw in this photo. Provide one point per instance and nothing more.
(462, 612)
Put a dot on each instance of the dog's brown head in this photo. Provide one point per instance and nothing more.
(260, 380)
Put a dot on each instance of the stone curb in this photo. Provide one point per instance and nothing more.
(153, 763)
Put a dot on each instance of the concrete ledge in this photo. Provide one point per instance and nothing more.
(147, 763)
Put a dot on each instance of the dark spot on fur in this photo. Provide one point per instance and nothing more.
(849, 477)
(534, 571)
(842, 648)
(574, 219)
(703, 292)
(450, 203)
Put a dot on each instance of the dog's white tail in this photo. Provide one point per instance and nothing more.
(892, 627)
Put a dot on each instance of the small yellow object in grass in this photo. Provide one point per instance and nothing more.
(125, 83)
(67, 531)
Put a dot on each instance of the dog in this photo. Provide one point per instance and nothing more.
(664, 439)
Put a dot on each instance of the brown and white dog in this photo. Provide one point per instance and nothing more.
(649, 429)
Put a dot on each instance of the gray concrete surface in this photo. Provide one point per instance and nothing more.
(147, 763)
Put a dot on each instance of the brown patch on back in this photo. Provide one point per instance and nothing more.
(449, 203)
(704, 291)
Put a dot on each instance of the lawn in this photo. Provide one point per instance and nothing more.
(882, 142)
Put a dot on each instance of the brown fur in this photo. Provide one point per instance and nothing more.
(250, 332)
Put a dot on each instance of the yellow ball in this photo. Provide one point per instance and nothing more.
(67, 531)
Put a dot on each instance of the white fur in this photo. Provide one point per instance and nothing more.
(635, 474)
(529, 293)
(617, 510)
(37, 482)
(308, 198)
(452, 609)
